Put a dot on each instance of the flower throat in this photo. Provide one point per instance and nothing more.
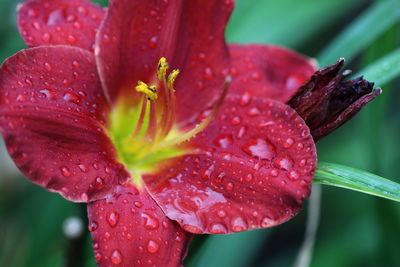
(146, 133)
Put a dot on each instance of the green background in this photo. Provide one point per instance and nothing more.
(355, 229)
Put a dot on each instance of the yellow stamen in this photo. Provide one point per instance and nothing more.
(162, 68)
(171, 78)
(149, 91)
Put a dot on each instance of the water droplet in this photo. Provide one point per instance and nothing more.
(236, 120)
(71, 97)
(77, 25)
(99, 182)
(273, 173)
(239, 225)
(71, 39)
(260, 149)
(75, 64)
(245, 99)
(218, 228)
(241, 132)
(65, 171)
(150, 222)
(152, 43)
(138, 204)
(98, 257)
(71, 18)
(208, 73)
(293, 175)
(299, 146)
(288, 143)
(47, 66)
(32, 13)
(249, 177)
(84, 197)
(83, 167)
(93, 226)
(46, 37)
(283, 163)
(116, 257)
(229, 186)
(36, 25)
(266, 222)
(223, 141)
(253, 112)
(113, 218)
(221, 213)
(152, 246)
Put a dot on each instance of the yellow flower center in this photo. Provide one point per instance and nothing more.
(145, 133)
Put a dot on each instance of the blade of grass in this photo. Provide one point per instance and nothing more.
(384, 69)
(357, 180)
(364, 30)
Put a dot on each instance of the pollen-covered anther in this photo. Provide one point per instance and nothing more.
(171, 78)
(162, 68)
(149, 91)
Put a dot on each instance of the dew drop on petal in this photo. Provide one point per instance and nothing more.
(260, 149)
(239, 225)
(65, 171)
(116, 257)
(113, 218)
(223, 141)
(152, 246)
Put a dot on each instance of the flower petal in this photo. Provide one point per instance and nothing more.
(190, 34)
(68, 22)
(251, 168)
(52, 115)
(129, 229)
(269, 71)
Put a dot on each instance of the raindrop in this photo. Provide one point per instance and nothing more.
(47, 66)
(260, 149)
(93, 226)
(221, 213)
(71, 39)
(218, 228)
(236, 120)
(223, 141)
(245, 99)
(46, 37)
(113, 218)
(65, 171)
(283, 163)
(83, 167)
(229, 186)
(288, 143)
(293, 175)
(152, 246)
(99, 182)
(208, 73)
(152, 43)
(71, 97)
(116, 257)
(239, 225)
(150, 222)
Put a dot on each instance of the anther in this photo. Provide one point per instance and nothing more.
(149, 91)
(162, 68)
(171, 78)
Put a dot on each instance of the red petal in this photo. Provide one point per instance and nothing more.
(131, 230)
(251, 169)
(69, 22)
(269, 71)
(52, 115)
(190, 34)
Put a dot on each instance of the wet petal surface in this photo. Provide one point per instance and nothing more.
(190, 34)
(268, 71)
(52, 117)
(251, 168)
(129, 229)
(65, 22)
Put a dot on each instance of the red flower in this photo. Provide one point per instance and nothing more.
(109, 128)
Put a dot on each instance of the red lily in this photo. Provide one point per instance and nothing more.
(153, 163)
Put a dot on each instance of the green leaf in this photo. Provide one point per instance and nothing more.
(285, 22)
(363, 31)
(358, 180)
(384, 69)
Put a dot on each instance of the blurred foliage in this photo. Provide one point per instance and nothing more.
(355, 229)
